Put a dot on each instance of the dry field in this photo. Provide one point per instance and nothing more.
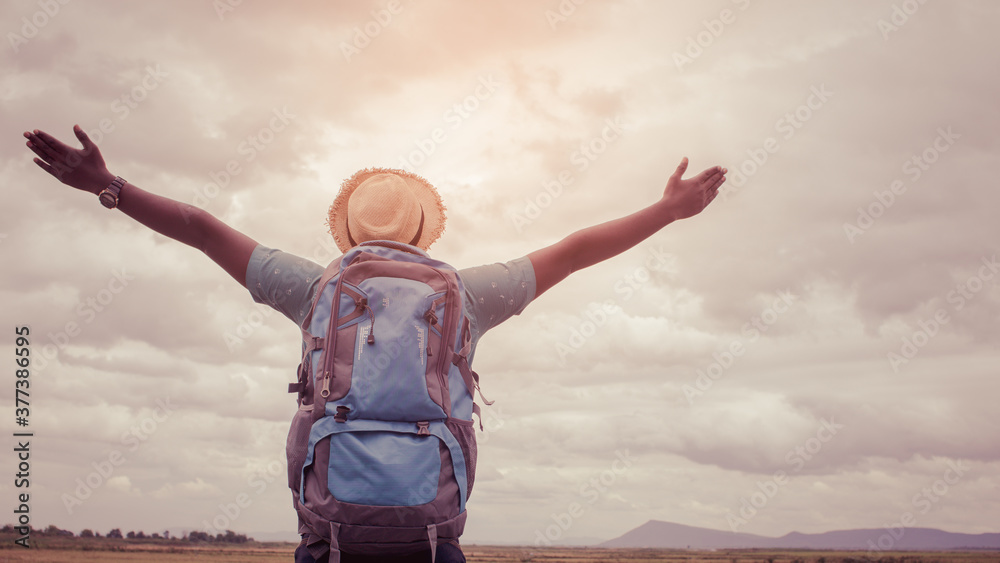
(58, 550)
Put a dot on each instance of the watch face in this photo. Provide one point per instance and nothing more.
(108, 199)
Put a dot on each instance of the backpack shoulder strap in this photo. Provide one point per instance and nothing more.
(328, 274)
(394, 245)
(313, 342)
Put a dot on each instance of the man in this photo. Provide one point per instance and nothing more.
(373, 205)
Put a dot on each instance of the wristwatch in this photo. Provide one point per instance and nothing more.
(109, 196)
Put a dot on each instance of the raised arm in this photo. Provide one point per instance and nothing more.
(84, 169)
(586, 247)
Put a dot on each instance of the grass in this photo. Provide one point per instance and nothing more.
(75, 550)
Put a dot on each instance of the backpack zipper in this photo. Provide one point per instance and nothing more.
(431, 317)
(330, 344)
(371, 331)
(446, 330)
(325, 391)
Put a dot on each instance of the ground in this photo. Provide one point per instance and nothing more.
(75, 550)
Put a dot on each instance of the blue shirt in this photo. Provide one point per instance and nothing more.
(493, 292)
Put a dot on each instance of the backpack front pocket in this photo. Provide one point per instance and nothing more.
(383, 463)
(384, 468)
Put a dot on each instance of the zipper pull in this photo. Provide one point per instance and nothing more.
(325, 392)
(432, 320)
(431, 317)
(371, 330)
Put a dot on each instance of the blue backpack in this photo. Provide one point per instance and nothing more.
(382, 451)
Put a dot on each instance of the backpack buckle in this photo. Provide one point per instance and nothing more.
(341, 415)
(423, 428)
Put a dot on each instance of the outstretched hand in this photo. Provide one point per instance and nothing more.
(83, 169)
(689, 197)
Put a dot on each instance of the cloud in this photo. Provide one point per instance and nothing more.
(584, 119)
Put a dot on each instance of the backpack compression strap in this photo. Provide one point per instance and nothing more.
(334, 557)
(334, 543)
(312, 343)
(471, 378)
(432, 536)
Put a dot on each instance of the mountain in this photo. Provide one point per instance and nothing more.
(666, 534)
(677, 536)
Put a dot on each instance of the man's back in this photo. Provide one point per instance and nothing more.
(288, 283)
(359, 474)
(373, 204)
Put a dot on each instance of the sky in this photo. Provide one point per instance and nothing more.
(817, 350)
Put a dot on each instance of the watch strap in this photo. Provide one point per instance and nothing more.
(109, 195)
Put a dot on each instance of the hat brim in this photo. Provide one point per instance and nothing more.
(428, 197)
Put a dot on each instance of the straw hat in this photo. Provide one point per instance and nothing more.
(386, 204)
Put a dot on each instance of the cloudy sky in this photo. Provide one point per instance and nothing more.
(816, 351)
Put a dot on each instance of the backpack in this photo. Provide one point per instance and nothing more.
(382, 451)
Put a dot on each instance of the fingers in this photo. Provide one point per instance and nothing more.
(713, 177)
(38, 151)
(41, 164)
(55, 144)
(713, 171)
(718, 182)
(84, 139)
(714, 180)
(713, 184)
(41, 148)
(681, 168)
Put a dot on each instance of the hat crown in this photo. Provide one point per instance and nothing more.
(383, 207)
(386, 204)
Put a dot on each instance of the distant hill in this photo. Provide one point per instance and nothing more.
(677, 536)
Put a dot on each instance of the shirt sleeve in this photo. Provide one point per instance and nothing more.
(496, 292)
(284, 281)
